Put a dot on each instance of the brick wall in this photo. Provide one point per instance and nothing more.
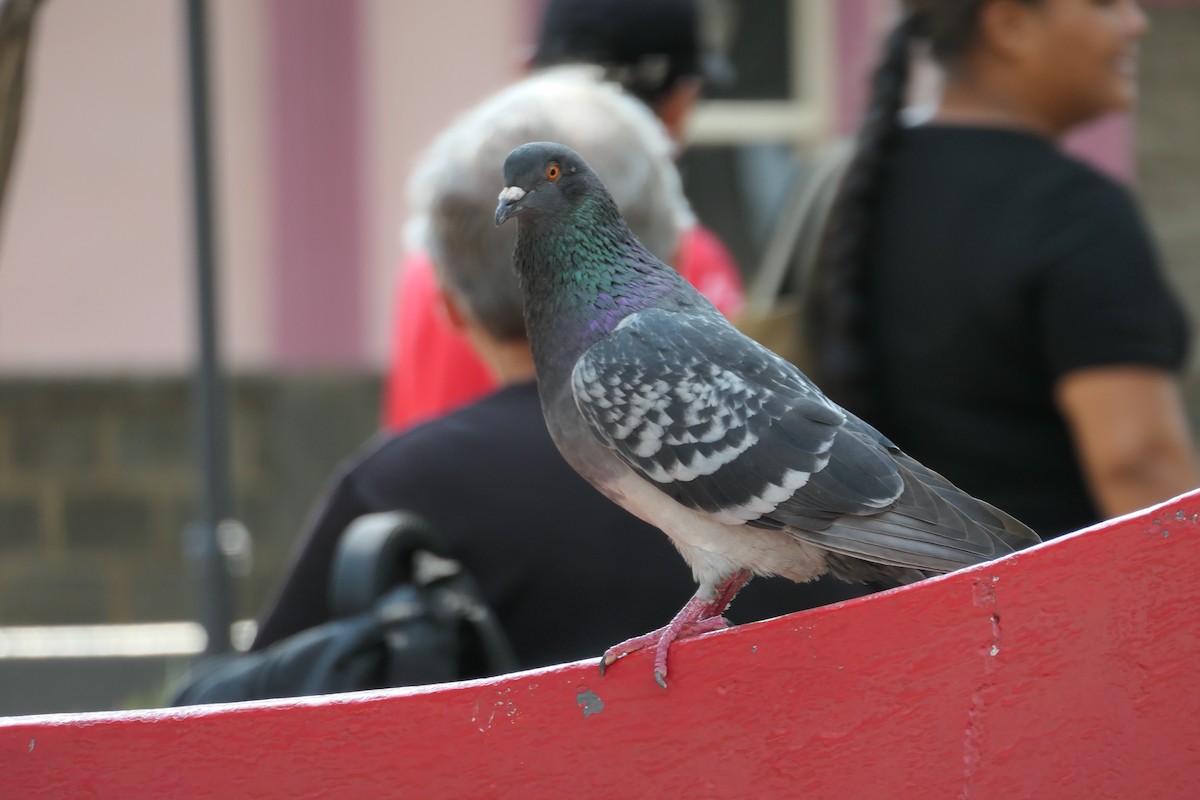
(97, 485)
(1168, 158)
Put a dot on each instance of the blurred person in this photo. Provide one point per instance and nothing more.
(567, 571)
(994, 306)
(653, 51)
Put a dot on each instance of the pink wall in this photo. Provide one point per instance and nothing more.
(1108, 144)
(320, 109)
(360, 88)
(415, 90)
(860, 25)
(313, 63)
(94, 245)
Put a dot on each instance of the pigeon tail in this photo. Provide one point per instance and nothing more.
(932, 527)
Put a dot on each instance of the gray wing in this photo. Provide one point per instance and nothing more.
(725, 426)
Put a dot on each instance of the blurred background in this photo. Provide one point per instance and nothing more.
(318, 109)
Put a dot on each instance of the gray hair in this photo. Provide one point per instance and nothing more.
(454, 188)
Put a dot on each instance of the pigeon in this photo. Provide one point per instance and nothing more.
(671, 412)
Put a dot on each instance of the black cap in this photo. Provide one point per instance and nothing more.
(645, 45)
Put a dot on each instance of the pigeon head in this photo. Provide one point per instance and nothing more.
(542, 179)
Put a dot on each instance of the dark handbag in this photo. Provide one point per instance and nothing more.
(404, 614)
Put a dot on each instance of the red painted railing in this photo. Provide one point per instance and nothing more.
(1065, 671)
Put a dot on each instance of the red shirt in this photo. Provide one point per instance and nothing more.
(433, 367)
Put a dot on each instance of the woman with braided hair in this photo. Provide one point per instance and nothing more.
(994, 306)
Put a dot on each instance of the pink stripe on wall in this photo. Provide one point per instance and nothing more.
(531, 22)
(857, 36)
(1107, 145)
(315, 152)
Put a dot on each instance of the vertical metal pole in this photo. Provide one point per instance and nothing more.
(207, 562)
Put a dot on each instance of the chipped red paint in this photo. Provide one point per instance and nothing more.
(1064, 671)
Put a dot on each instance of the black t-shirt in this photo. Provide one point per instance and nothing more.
(997, 265)
(568, 572)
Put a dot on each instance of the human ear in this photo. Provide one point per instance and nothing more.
(451, 310)
(675, 108)
(1008, 28)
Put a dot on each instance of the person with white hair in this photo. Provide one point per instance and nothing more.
(566, 571)
(655, 52)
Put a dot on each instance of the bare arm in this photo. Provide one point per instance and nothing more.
(1131, 434)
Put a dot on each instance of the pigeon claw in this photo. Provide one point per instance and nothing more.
(697, 617)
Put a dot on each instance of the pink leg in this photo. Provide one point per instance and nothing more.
(728, 590)
(696, 617)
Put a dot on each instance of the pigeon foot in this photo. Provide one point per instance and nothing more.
(696, 617)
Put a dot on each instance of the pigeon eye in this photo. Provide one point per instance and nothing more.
(552, 172)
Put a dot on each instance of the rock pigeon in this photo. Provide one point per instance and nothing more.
(668, 410)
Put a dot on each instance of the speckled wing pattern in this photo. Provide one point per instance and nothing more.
(725, 426)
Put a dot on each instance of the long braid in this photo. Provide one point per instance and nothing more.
(835, 316)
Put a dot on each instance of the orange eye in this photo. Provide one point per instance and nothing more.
(552, 172)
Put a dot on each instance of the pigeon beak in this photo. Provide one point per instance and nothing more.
(510, 203)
